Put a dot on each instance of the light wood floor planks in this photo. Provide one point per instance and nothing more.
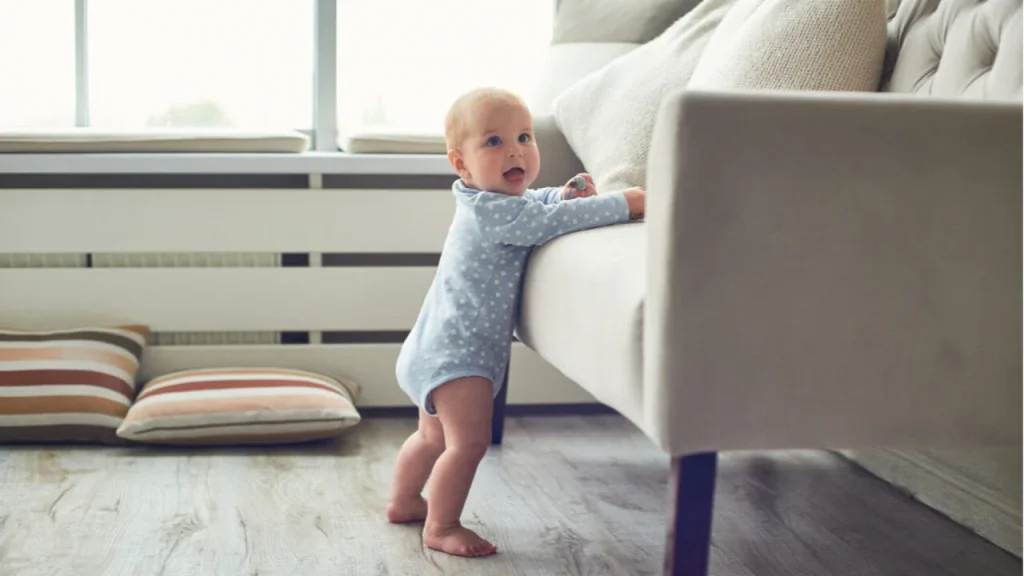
(564, 495)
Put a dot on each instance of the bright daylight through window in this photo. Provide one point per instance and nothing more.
(253, 64)
(37, 64)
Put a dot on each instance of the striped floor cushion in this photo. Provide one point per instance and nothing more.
(68, 385)
(240, 406)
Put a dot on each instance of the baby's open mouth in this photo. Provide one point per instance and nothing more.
(514, 174)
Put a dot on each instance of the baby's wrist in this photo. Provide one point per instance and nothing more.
(624, 200)
(635, 212)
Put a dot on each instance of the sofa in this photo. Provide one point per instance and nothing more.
(818, 268)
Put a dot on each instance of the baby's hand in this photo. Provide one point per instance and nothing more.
(636, 199)
(569, 192)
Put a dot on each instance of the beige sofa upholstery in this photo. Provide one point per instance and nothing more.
(857, 292)
(816, 270)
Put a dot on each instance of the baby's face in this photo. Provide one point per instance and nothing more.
(498, 153)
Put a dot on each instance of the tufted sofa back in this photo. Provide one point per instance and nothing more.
(955, 49)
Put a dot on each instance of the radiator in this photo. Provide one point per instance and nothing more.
(164, 260)
(43, 260)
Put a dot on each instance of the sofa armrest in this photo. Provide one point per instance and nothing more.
(558, 161)
(833, 270)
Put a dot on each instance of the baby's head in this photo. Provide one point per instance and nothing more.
(489, 133)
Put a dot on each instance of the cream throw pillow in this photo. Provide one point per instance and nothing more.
(796, 45)
(608, 116)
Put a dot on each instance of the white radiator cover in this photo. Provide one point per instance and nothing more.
(164, 260)
(43, 260)
(211, 285)
(187, 260)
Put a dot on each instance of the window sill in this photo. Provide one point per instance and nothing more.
(261, 163)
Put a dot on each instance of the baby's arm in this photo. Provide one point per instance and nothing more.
(567, 192)
(519, 221)
(545, 195)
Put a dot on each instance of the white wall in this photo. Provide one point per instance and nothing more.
(980, 489)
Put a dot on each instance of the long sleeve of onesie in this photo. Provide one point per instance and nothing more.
(522, 221)
(545, 195)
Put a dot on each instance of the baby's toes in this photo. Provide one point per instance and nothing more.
(483, 548)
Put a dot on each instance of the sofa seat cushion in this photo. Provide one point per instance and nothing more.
(582, 311)
(156, 140)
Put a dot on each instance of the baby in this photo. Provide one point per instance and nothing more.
(453, 362)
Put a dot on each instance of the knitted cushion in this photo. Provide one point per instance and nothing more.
(608, 117)
(836, 45)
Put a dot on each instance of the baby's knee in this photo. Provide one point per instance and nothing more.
(471, 448)
(433, 441)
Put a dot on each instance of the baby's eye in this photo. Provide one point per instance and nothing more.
(524, 138)
(493, 141)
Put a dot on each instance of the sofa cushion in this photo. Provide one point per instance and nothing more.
(567, 64)
(795, 45)
(582, 311)
(151, 140)
(956, 48)
(635, 21)
(68, 386)
(608, 117)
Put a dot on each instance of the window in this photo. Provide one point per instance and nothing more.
(393, 65)
(37, 64)
(200, 63)
(402, 62)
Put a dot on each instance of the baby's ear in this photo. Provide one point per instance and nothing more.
(458, 164)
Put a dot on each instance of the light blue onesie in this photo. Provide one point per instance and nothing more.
(466, 322)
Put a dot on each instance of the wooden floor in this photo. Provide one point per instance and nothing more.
(564, 495)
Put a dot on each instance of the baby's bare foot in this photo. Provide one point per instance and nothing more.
(411, 510)
(457, 541)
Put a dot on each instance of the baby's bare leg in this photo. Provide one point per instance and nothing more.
(412, 468)
(465, 406)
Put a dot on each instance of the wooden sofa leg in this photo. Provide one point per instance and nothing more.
(689, 530)
(498, 419)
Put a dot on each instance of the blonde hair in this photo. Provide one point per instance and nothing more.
(457, 120)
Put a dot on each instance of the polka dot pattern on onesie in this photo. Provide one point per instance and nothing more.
(465, 325)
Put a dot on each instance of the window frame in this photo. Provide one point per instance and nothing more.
(324, 133)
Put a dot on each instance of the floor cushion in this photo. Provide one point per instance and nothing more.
(240, 406)
(68, 386)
